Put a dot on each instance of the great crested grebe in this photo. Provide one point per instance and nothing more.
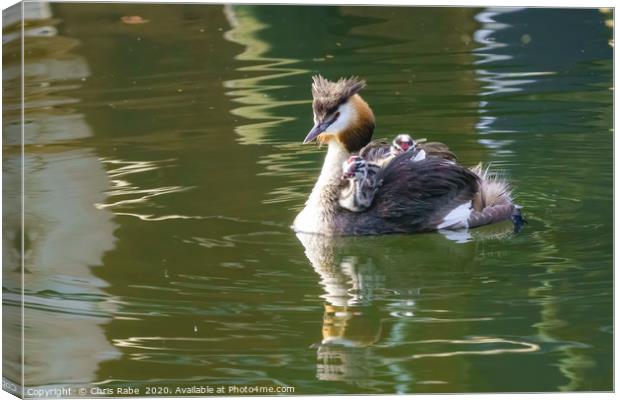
(426, 195)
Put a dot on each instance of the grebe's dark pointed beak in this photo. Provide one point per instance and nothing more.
(316, 130)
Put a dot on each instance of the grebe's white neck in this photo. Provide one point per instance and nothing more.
(332, 166)
(312, 219)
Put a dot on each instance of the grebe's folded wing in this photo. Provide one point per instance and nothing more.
(421, 195)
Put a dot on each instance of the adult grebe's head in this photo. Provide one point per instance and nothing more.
(401, 144)
(340, 114)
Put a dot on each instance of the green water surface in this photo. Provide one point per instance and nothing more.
(164, 167)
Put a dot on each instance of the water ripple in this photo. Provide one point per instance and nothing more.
(254, 93)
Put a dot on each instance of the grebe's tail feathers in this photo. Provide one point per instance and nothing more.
(494, 190)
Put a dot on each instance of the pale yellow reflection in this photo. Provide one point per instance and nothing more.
(65, 235)
(524, 347)
(609, 22)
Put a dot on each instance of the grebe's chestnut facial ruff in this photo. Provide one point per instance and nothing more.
(340, 114)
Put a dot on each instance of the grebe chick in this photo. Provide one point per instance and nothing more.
(359, 184)
(430, 194)
(381, 152)
(404, 143)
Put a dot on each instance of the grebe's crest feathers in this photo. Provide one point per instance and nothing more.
(329, 95)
